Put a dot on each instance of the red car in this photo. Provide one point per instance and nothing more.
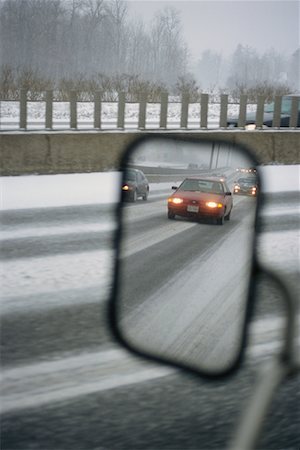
(201, 198)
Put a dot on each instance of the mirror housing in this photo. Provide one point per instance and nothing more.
(124, 316)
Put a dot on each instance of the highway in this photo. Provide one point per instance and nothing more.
(68, 385)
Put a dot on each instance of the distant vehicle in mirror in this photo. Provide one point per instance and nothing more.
(246, 186)
(221, 176)
(192, 166)
(201, 198)
(269, 113)
(246, 169)
(135, 185)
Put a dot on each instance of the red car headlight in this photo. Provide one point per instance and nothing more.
(214, 205)
(175, 200)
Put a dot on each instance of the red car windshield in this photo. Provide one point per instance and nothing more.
(213, 187)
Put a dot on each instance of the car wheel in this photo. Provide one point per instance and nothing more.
(134, 196)
(171, 215)
(220, 221)
(228, 215)
(145, 196)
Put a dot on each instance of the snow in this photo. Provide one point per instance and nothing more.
(44, 191)
(10, 112)
(280, 178)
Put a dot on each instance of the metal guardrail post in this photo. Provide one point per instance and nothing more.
(184, 110)
(23, 109)
(212, 154)
(218, 155)
(97, 109)
(294, 112)
(204, 110)
(243, 111)
(142, 110)
(163, 110)
(121, 110)
(223, 111)
(259, 119)
(49, 109)
(73, 109)
(277, 111)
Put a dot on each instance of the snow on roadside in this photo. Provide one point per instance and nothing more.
(10, 110)
(44, 191)
(280, 178)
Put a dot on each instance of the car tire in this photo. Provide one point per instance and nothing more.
(134, 196)
(228, 216)
(220, 221)
(171, 215)
(145, 196)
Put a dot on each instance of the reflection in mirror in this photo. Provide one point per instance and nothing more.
(188, 213)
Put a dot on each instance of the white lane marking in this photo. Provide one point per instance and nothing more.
(58, 299)
(68, 363)
(59, 394)
(62, 229)
(56, 381)
(281, 210)
(268, 349)
(267, 324)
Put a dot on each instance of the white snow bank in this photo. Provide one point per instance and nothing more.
(39, 191)
(280, 178)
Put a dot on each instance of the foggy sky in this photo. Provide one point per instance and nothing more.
(221, 24)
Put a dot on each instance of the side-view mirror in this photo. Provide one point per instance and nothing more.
(181, 293)
(174, 187)
(228, 193)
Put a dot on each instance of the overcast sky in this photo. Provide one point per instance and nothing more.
(221, 24)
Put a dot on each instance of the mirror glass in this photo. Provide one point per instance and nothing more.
(188, 212)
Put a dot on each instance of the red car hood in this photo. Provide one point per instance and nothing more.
(199, 196)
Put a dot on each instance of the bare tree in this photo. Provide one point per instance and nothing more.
(117, 14)
(209, 69)
(168, 56)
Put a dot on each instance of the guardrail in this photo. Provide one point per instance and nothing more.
(202, 118)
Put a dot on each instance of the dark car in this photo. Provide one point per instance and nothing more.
(135, 185)
(246, 186)
(285, 115)
(201, 198)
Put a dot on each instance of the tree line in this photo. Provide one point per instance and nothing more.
(91, 45)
